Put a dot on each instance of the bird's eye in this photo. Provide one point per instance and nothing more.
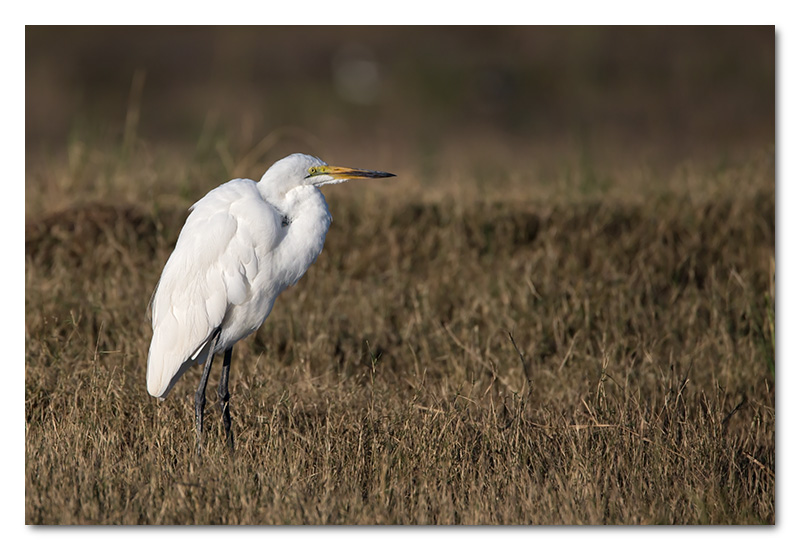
(313, 170)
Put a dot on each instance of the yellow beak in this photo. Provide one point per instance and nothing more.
(343, 173)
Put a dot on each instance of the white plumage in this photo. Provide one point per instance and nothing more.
(242, 245)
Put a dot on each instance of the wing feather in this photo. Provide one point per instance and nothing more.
(212, 268)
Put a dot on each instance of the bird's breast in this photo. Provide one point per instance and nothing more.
(302, 236)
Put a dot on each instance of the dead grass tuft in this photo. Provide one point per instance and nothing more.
(447, 362)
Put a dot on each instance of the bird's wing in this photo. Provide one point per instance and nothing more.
(212, 268)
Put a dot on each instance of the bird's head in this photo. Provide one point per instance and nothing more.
(301, 170)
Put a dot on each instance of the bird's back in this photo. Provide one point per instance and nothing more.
(215, 278)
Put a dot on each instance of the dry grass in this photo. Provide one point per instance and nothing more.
(386, 387)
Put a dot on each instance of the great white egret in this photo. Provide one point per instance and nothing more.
(241, 246)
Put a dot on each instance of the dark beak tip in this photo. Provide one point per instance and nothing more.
(374, 174)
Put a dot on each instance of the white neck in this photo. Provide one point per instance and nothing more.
(308, 220)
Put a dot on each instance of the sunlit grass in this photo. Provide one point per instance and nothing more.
(385, 386)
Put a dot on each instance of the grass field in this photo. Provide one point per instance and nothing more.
(583, 339)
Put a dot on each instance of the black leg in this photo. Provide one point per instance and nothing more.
(200, 395)
(224, 397)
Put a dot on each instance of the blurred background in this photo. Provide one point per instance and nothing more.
(435, 103)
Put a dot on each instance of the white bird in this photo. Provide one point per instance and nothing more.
(241, 246)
